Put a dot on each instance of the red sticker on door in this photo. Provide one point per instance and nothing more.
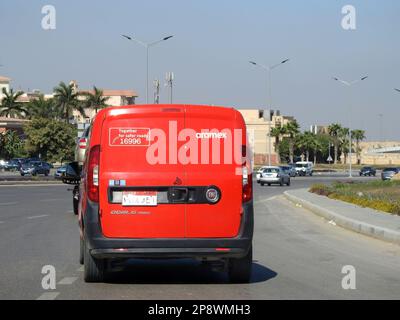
(129, 137)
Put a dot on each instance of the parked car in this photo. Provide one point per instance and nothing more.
(12, 165)
(2, 163)
(304, 168)
(60, 172)
(274, 175)
(388, 173)
(291, 171)
(258, 173)
(80, 148)
(368, 171)
(34, 168)
(163, 207)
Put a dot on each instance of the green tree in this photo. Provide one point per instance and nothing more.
(307, 143)
(344, 142)
(66, 100)
(292, 130)
(10, 105)
(96, 100)
(358, 136)
(334, 132)
(11, 145)
(50, 139)
(277, 133)
(42, 108)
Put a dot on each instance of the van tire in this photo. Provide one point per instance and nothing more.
(75, 203)
(262, 184)
(93, 269)
(239, 269)
(81, 251)
(288, 183)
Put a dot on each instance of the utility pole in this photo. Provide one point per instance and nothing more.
(169, 78)
(156, 84)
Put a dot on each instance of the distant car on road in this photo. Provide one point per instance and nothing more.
(12, 165)
(80, 148)
(60, 172)
(388, 173)
(368, 171)
(34, 168)
(274, 175)
(290, 170)
(304, 168)
(258, 174)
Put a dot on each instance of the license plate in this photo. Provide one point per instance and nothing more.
(139, 198)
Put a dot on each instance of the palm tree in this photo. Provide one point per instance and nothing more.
(307, 142)
(96, 99)
(334, 131)
(292, 130)
(277, 133)
(10, 107)
(358, 136)
(344, 142)
(66, 100)
(42, 108)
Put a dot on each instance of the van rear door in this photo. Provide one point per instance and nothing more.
(213, 128)
(136, 178)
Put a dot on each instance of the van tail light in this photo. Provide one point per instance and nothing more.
(93, 174)
(82, 143)
(247, 185)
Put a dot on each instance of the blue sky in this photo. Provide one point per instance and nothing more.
(213, 41)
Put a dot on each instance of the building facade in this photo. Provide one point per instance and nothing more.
(259, 123)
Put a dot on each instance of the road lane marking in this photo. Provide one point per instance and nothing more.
(267, 199)
(8, 203)
(67, 280)
(48, 296)
(38, 217)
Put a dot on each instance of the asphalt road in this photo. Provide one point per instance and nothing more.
(296, 255)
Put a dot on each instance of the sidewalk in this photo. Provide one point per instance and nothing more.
(362, 220)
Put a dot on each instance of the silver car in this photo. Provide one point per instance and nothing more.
(388, 173)
(80, 149)
(274, 175)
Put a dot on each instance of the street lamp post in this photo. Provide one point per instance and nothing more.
(147, 46)
(268, 69)
(349, 84)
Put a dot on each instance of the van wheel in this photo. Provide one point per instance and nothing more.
(288, 183)
(281, 183)
(94, 269)
(75, 205)
(239, 269)
(81, 250)
(269, 184)
(262, 184)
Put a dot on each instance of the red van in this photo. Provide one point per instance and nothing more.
(167, 181)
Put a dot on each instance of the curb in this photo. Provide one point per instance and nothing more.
(358, 226)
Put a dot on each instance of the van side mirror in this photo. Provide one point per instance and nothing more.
(72, 173)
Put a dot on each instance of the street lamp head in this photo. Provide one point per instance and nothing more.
(363, 78)
(284, 61)
(166, 38)
(127, 37)
(398, 90)
(252, 62)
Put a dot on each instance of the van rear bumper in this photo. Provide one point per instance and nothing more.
(113, 248)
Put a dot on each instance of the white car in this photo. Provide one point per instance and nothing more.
(259, 172)
(304, 168)
(274, 175)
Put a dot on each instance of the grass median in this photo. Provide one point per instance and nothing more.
(379, 195)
